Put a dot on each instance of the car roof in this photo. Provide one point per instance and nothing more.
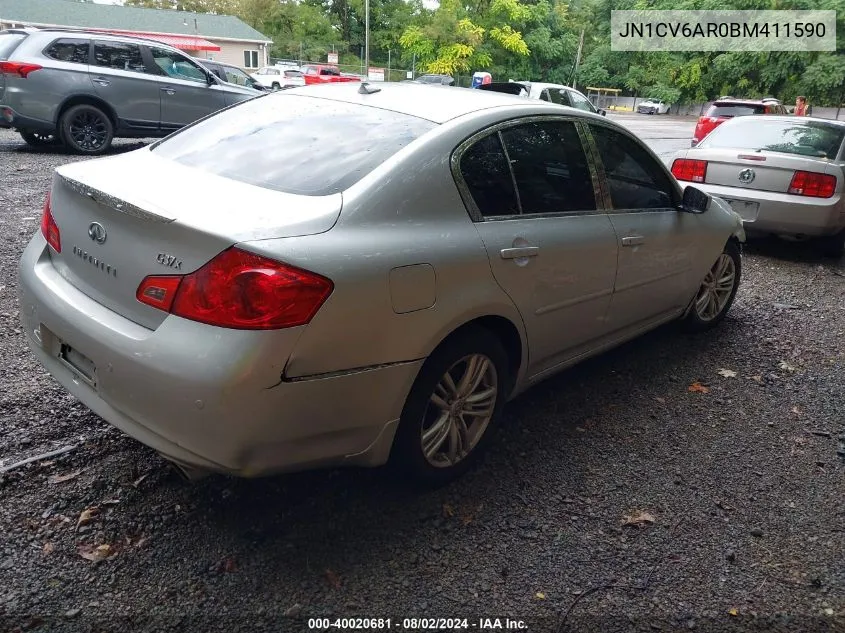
(100, 35)
(732, 101)
(791, 119)
(419, 100)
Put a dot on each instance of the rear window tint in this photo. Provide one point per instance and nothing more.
(735, 109)
(805, 138)
(9, 42)
(294, 143)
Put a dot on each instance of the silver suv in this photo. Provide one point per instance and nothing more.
(84, 89)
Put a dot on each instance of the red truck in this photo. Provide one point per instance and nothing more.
(323, 73)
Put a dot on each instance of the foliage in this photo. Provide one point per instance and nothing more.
(538, 40)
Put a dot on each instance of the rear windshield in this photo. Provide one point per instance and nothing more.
(806, 138)
(735, 109)
(293, 73)
(9, 42)
(294, 143)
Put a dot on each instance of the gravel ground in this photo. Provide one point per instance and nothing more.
(738, 491)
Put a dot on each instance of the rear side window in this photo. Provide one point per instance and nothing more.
(735, 110)
(550, 167)
(119, 56)
(301, 145)
(69, 50)
(9, 42)
(485, 171)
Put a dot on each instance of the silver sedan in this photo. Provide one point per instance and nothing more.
(784, 175)
(352, 275)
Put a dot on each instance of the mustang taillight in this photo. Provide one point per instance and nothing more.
(689, 169)
(18, 68)
(812, 184)
(239, 290)
(49, 228)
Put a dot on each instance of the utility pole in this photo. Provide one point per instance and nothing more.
(414, 67)
(367, 38)
(578, 60)
(388, 64)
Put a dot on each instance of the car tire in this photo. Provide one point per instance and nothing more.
(275, 86)
(714, 297)
(86, 129)
(39, 139)
(434, 460)
(833, 245)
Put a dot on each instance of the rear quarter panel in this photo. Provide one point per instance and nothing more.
(42, 93)
(406, 212)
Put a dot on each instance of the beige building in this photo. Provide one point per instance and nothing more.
(225, 38)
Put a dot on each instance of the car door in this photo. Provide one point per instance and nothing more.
(123, 80)
(656, 241)
(186, 94)
(532, 194)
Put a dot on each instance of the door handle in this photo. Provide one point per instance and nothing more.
(102, 81)
(521, 251)
(169, 91)
(633, 240)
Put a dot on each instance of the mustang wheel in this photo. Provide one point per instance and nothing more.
(718, 289)
(87, 129)
(456, 399)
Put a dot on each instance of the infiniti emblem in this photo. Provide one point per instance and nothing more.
(746, 176)
(97, 233)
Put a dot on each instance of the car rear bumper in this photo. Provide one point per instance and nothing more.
(783, 214)
(205, 397)
(11, 119)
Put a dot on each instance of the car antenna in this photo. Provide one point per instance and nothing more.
(367, 89)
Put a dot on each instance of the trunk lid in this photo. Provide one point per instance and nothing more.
(769, 171)
(126, 217)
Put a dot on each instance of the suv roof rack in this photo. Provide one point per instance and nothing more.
(90, 32)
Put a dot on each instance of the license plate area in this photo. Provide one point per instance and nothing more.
(78, 363)
(747, 210)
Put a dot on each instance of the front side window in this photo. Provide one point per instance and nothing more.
(485, 170)
(70, 50)
(636, 180)
(119, 56)
(582, 103)
(177, 66)
(550, 167)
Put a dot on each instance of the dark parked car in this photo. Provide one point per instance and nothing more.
(231, 74)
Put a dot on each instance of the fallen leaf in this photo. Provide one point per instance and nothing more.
(333, 579)
(697, 387)
(86, 516)
(138, 481)
(95, 553)
(637, 518)
(540, 595)
(448, 511)
(57, 479)
(785, 366)
(229, 565)
(727, 373)
(48, 548)
(734, 611)
(110, 502)
(660, 400)
(757, 379)
(796, 410)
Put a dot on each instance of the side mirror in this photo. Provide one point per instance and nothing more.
(603, 112)
(210, 79)
(695, 200)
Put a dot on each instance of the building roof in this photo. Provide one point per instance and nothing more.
(88, 15)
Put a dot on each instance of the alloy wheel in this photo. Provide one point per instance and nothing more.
(88, 131)
(716, 289)
(459, 410)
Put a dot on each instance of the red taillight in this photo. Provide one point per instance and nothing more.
(812, 184)
(240, 290)
(689, 169)
(49, 228)
(18, 68)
